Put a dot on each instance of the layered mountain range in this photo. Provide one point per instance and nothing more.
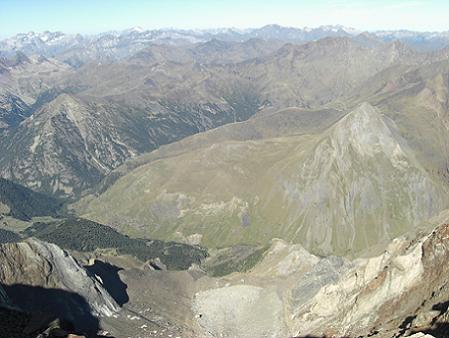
(175, 182)
(66, 128)
(77, 49)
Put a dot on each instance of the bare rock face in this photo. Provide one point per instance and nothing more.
(421, 335)
(403, 290)
(65, 146)
(12, 110)
(45, 270)
(45, 293)
(398, 293)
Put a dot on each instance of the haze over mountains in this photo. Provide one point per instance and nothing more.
(77, 49)
(197, 176)
(134, 104)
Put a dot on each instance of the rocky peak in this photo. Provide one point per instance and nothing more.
(64, 103)
(19, 59)
(13, 110)
(399, 51)
(367, 132)
(359, 167)
(37, 263)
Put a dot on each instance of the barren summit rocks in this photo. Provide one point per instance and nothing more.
(41, 277)
(379, 296)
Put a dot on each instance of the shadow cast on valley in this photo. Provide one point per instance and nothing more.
(55, 303)
(110, 279)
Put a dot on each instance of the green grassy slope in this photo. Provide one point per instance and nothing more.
(337, 191)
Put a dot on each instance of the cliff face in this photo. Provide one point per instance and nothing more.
(41, 277)
(398, 293)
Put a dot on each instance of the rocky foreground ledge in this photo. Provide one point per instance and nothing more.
(402, 292)
(289, 293)
(44, 292)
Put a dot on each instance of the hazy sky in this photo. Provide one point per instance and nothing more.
(91, 16)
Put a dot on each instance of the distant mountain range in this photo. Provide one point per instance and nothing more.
(76, 49)
(67, 119)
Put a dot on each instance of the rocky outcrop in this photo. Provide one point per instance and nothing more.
(399, 293)
(403, 290)
(43, 269)
(66, 146)
(12, 110)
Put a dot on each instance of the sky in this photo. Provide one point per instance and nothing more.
(94, 16)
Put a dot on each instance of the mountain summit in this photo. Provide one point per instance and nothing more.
(335, 193)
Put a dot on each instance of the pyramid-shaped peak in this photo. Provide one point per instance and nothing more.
(63, 103)
(364, 114)
(64, 98)
(365, 130)
(365, 108)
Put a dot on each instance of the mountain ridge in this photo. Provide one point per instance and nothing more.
(111, 45)
(308, 185)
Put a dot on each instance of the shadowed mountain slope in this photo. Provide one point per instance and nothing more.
(23, 203)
